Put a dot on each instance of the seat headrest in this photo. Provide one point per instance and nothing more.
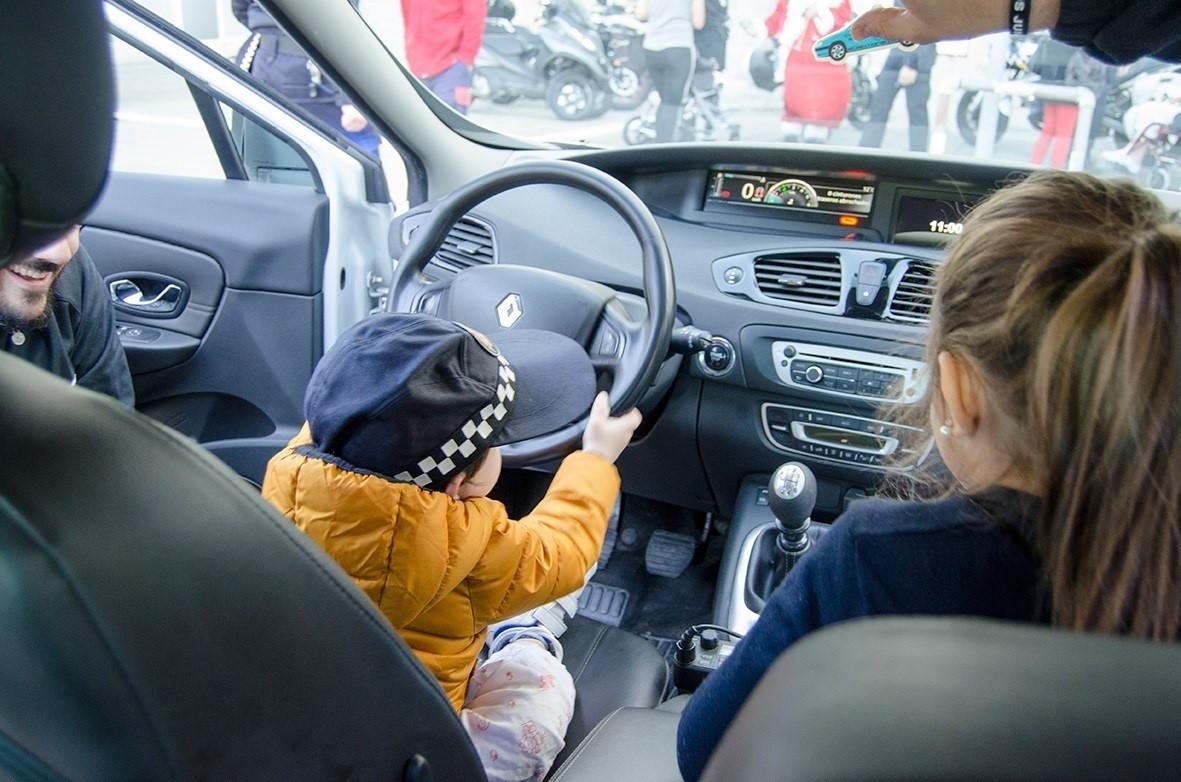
(959, 699)
(56, 123)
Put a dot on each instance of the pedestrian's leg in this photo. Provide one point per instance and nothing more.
(1064, 134)
(453, 86)
(1042, 144)
(518, 708)
(917, 96)
(879, 108)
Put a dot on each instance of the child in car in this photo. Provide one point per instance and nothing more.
(1054, 353)
(390, 476)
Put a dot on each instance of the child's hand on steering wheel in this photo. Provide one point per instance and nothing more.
(605, 435)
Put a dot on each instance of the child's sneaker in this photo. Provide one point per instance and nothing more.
(520, 627)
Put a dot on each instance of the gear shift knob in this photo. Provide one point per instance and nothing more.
(792, 496)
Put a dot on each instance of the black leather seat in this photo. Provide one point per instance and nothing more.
(157, 619)
(959, 699)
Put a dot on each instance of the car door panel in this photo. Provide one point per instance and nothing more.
(265, 236)
(230, 366)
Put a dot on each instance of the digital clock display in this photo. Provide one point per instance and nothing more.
(922, 219)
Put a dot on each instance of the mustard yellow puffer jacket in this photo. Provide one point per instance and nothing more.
(442, 570)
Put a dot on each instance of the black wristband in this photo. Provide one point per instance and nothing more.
(1019, 16)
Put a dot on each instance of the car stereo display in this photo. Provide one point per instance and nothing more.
(793, 192)
(918, 216)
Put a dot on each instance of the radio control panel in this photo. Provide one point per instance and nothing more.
(849, 373)
(835, 437)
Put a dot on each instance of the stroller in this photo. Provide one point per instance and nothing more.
(1154, 153)
(703, 118)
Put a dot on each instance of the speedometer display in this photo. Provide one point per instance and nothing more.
(822, 195)
(792, 192)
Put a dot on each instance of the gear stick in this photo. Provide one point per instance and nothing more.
(791, 496)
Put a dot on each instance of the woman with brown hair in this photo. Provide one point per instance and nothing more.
(1055, 402)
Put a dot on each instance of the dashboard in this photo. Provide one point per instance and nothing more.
(814, 270)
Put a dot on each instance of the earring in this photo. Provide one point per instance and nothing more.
(945, 428)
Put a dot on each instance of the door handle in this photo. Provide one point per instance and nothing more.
(127, 293)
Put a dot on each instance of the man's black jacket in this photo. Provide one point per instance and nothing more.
(79, 343)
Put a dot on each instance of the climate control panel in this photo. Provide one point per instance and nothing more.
(850, 373)
(852, 440)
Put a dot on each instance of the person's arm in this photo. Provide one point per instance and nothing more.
(698, 14)
(547, 554)
(474, 14)
(928, 21)
(823, 588)
(642, 10)
(97, 355)
(1121, 32)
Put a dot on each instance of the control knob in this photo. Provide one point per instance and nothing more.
(813, 374)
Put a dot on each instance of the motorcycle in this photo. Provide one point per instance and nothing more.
(967, 113)
(557, 61)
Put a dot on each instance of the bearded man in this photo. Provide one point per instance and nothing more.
(55, 313)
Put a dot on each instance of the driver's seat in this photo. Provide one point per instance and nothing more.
(157, 619)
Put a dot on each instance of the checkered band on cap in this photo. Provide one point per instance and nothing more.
(474, 436)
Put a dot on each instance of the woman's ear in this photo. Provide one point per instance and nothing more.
(452, 488)
(960, 387)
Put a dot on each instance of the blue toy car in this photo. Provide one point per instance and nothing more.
(838, 45)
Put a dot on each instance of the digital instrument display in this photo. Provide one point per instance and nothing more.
(924, 217)
(794, 192)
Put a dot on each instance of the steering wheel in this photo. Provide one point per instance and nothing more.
(628, 348)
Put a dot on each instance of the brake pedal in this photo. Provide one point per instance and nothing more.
(669, 553)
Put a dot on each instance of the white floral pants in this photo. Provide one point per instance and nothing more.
(519, 704)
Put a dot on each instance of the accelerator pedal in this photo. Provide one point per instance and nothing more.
(669, 553)
(606, 604)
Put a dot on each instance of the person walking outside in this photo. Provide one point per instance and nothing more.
(442, 40)
(910, 71)
(670, 54)
(815, 94)
(273, 58)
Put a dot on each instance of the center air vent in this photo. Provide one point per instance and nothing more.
(468, 243)
(806, 278)
(915, 292)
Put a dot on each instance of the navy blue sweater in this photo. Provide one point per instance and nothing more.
(966, 556)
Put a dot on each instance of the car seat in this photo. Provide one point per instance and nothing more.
(157, 619)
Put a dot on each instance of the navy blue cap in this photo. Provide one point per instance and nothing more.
(416, 399)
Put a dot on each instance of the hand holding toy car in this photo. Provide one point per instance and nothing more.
(838, 45)
(927, 21)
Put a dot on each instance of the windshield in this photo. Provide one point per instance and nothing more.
(588, 71)
(613, 74)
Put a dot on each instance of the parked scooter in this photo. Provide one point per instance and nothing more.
(557, 61)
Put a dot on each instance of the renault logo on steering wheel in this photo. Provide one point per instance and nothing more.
(509, 311)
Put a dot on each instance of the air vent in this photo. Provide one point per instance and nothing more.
(468, 243)
(812, 278)
(915, 292)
